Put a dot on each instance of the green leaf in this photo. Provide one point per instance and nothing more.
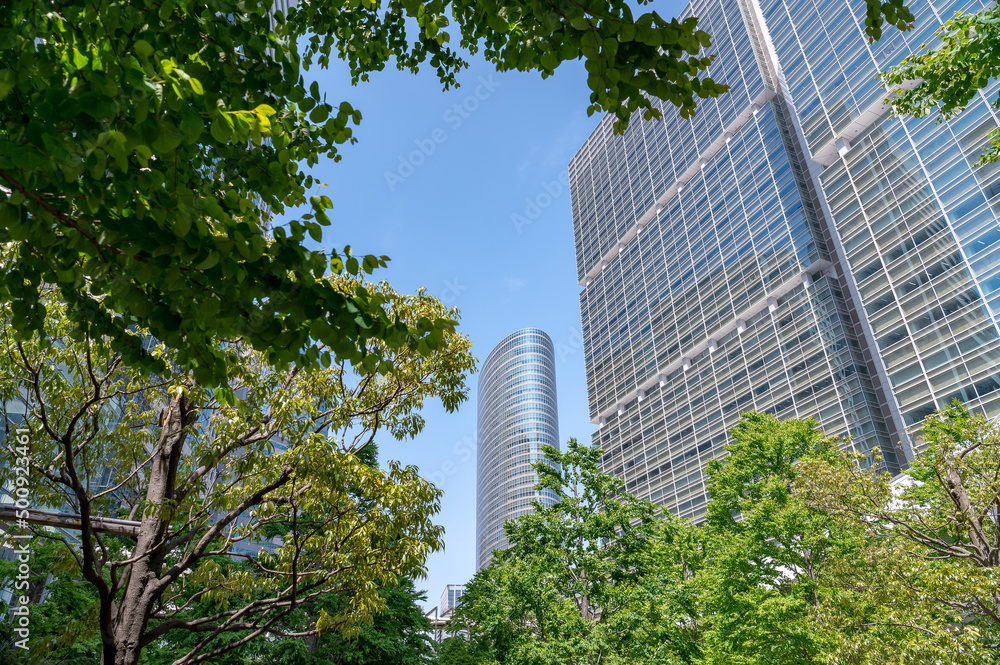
(191, 124)
(143, 48)
(320, 113)
(7, 80)
(166, 9)
(225, 396)
(79, 59)
(210, 261)
(221, 129)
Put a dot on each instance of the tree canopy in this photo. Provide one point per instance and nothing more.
(594, 578)
(768, 550)
(145, 146)
(805, 556)
(399, 634)
(932, 538)
(265, 472)
(812, 556)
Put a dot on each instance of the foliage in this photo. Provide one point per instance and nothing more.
(934, 535)
(455, 651)
(878, 13)
(805, 557)
(398, 635)
(769, 551)
(64, 624)
(788, 579)
(144, 145)
(594, 578)
(951, 74)
(267, 462)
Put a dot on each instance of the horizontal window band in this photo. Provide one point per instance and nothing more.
(841, 144)
(684, 361)
(734, 127)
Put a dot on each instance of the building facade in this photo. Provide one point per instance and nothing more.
(449, 598)
(788, 250)
(440, 615)
(915, 222)
(516, 416)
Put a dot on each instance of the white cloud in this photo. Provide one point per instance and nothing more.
(514, 283)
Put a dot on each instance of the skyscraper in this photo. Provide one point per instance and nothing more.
(516, 416)
(716, 255)
(915, 221)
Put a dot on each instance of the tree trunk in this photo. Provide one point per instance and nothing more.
(141, 590)
(960, 496)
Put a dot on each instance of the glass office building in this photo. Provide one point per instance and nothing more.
(440, 615)
(917, 222)
(449, 598)
(516, 416)
(792, 249)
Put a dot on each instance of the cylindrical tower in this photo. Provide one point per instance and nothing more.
(516, 417)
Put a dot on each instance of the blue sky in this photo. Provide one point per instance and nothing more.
(466, 192)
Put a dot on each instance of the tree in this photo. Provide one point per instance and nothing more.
(949, 75)
(455, 651)
(397, 635)
(768, 551)
(144, 145)
(935, 533)
(788, 580)
(594, 578)
(206, 476)
(63, 611)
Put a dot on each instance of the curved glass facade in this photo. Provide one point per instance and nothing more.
(516, 416)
